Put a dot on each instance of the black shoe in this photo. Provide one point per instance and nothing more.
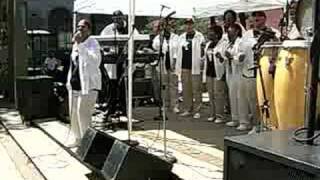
(159, 118)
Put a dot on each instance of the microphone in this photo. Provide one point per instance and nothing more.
(171, 14)
(164, 6)
(77, 33)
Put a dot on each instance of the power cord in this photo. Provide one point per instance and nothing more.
(303, 131)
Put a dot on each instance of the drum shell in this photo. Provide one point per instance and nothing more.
(289, 85)
(269, 55)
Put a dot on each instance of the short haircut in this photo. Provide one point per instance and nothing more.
(117, 13)
(237, 27)
(217, 30)
(87, 23)
(259, 13)
(232, 12)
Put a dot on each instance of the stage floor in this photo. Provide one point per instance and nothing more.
(196, 160)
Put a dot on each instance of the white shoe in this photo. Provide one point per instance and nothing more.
(211, 119)
(176, 110)
(253, 130)
(232, 124)
(186, 113)
(243, 127)
(73, 144)
(219, 121)
(196, 116)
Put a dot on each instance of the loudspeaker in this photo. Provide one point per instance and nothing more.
(142, 88)
(134, 163)
(95, 147)
(270, 155)
(33, 96)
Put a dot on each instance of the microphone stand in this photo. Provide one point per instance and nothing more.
(162, 107)
(311, 102)
(160, 57)
(265, 106)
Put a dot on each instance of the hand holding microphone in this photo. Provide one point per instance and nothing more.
(77, 37)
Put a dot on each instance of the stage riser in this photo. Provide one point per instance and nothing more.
(243, 165)
(270, 156)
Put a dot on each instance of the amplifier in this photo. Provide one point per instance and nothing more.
(142, 88)
(33, 96)
(270, 155)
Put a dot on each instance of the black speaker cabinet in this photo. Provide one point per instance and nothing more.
(133, 163)
(270, 155)
(142, 88)
(33, 96)
(95, 147)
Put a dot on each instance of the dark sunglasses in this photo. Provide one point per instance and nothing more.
(81, 26)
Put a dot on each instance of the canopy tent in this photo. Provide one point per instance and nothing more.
(239, 6)
(183, 8)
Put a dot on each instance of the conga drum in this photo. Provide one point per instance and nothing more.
(289, 84)
(267, 64)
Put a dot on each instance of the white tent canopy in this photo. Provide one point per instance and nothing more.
(183, 8)
(142, 7)
(238, 6)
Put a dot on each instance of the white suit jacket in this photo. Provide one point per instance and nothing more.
(246, 45)
(173, 48)
(196, 52)
(111, 30)
(89, 62)
(234, 50)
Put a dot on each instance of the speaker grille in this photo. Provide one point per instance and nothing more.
(244, 165)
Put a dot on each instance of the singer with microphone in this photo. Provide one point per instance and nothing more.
(83, 81)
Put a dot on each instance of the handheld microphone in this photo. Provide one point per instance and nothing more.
(171, 14)
(77, 33)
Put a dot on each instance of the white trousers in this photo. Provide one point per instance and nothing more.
(247, 100)
(233, 90)
(81, 110)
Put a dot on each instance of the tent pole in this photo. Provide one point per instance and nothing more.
(130, 62)
(74, 22)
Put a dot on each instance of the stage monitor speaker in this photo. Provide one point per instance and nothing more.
(95, 147)
(270, 155)
(142, 88)
(33, 96)
(133, 163)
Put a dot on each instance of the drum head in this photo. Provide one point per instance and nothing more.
(296, 44)
(304, 17)
(271, 44)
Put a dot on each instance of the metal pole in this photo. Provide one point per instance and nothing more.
(130, 60)
(74, 22)
(313, 89)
